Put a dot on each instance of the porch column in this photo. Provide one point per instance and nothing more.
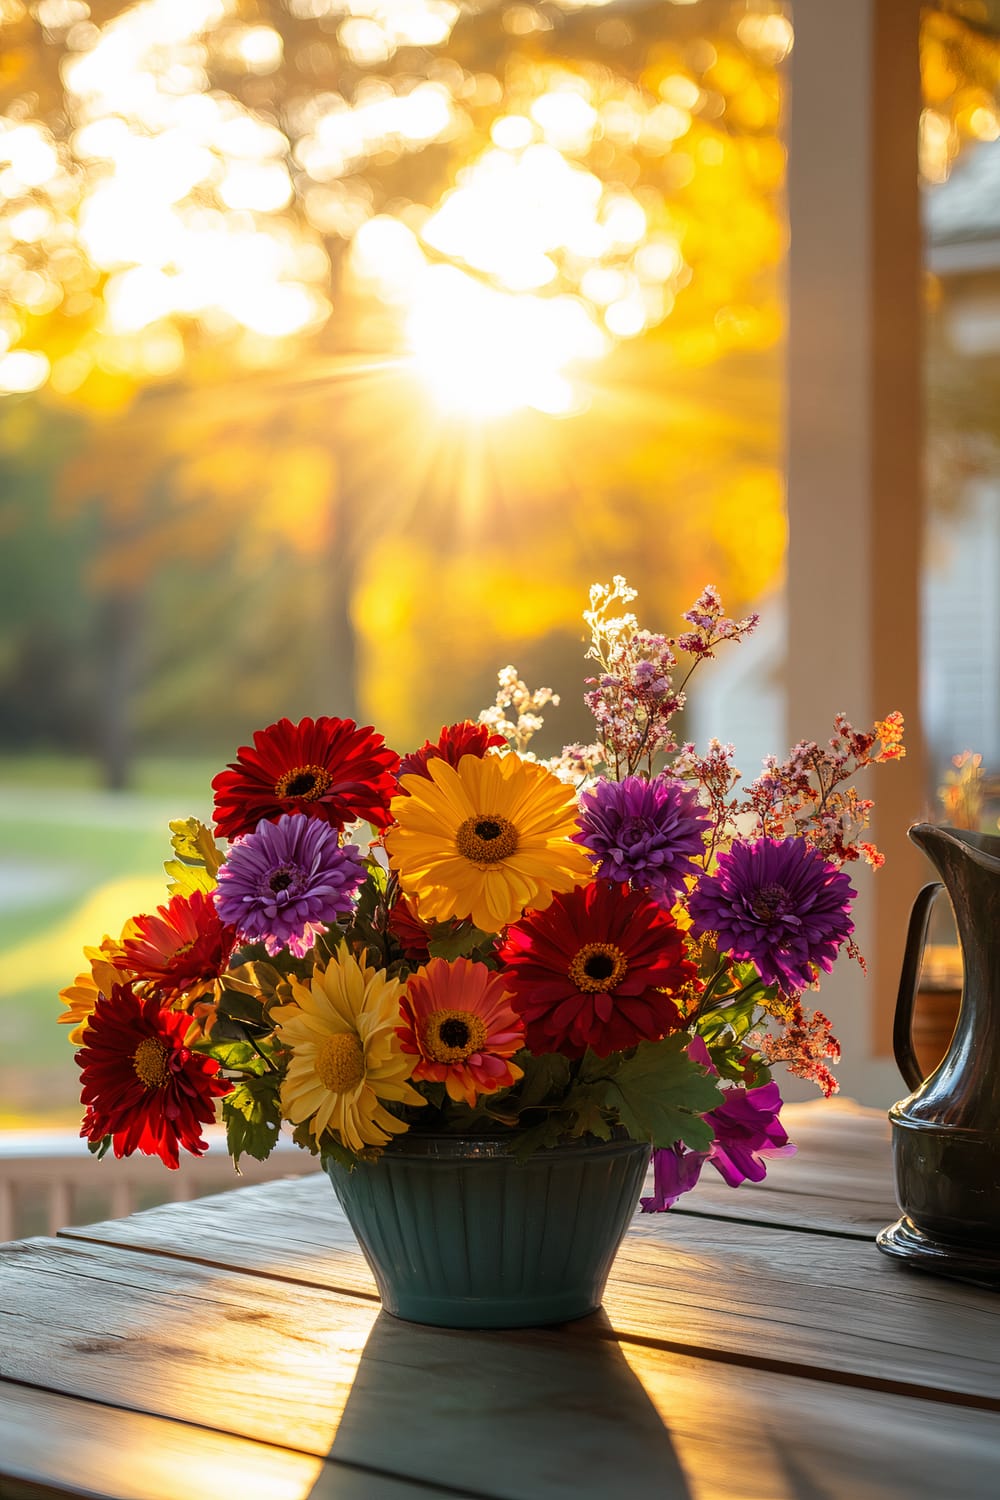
(854, 455)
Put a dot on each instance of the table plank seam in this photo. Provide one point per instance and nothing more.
(771, 1364)
(832, 1234)
(76, 1237)
(181, 1422)
(799, 1371)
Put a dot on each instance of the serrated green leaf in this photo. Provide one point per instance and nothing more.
(252, 1114)
(303, 1137)
(458, 942)
(241, 1007)
(261, 980)
(593, 1067)
(546, 1079)
(736, 1018)
(660, 1095)
(589, 1117)
(236, 1053)
(193, 843)
(333, 1151)
(540, 1137)
(187, 878)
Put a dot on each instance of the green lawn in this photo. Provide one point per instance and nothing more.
(75, 862)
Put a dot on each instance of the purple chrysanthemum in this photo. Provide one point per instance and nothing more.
(747, 1132)
(779, 904)
(283, 884)
(647, 833)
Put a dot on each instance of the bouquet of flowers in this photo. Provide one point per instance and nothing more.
(616, 942)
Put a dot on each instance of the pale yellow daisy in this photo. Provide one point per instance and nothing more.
(346, 1058)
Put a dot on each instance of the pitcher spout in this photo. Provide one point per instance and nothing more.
(952, 849)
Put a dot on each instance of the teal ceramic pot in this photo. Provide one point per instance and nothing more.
(460, 1234)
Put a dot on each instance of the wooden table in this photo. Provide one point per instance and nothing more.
(755, 1346)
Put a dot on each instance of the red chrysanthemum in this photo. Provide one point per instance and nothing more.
(454, 741)
(140, 1084)
(589, 971)
(324, 768)
(182, 950)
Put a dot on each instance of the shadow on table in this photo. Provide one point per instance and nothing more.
(523, 1414)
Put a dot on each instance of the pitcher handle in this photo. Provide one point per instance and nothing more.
(902, 1028)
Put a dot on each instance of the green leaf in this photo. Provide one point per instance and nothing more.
(241, 1007)
(332, 1150)
(546, 1079)
(187, 878)
(589, 1113)
(593, 1067)
(198, 858)
(660, 1095)
(193, 843)
(303, 1136)
(736, 1018)
(549, 1133)
(99, 1148)
(458, 942)
(252, 1114)
(260, 979)
(229, 1051)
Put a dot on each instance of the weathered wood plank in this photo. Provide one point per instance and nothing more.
(52, 1445)
(739, 1292)
(746, 1290)
(519, 1416)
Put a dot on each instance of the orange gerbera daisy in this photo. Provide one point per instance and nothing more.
(106, 970)
(458, 1020)
(484, 839)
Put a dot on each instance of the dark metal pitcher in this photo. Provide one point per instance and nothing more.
(946, 1135)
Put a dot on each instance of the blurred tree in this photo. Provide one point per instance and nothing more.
(391, 322)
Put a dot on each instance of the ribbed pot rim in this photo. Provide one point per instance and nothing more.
(494, 1148)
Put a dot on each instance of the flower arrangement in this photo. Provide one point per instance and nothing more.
(615, 942)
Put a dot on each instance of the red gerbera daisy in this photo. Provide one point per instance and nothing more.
(182, 950)
(140, 1084)
(454, 741)
(588, 971)
(325, 768)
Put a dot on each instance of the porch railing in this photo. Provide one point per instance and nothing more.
(48, 1179)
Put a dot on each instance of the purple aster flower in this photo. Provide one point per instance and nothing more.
(779, 904)
(283, 884)
(644, 832)
(747, 1131)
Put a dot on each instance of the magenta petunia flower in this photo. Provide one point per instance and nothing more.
(285, 883)
(646, 833)
(675, 1172)
(747, 1132)
(778, 904)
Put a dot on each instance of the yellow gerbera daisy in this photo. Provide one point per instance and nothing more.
(485, 840)
(346, 1056)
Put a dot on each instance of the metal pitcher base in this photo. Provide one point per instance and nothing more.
(976, 1265)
